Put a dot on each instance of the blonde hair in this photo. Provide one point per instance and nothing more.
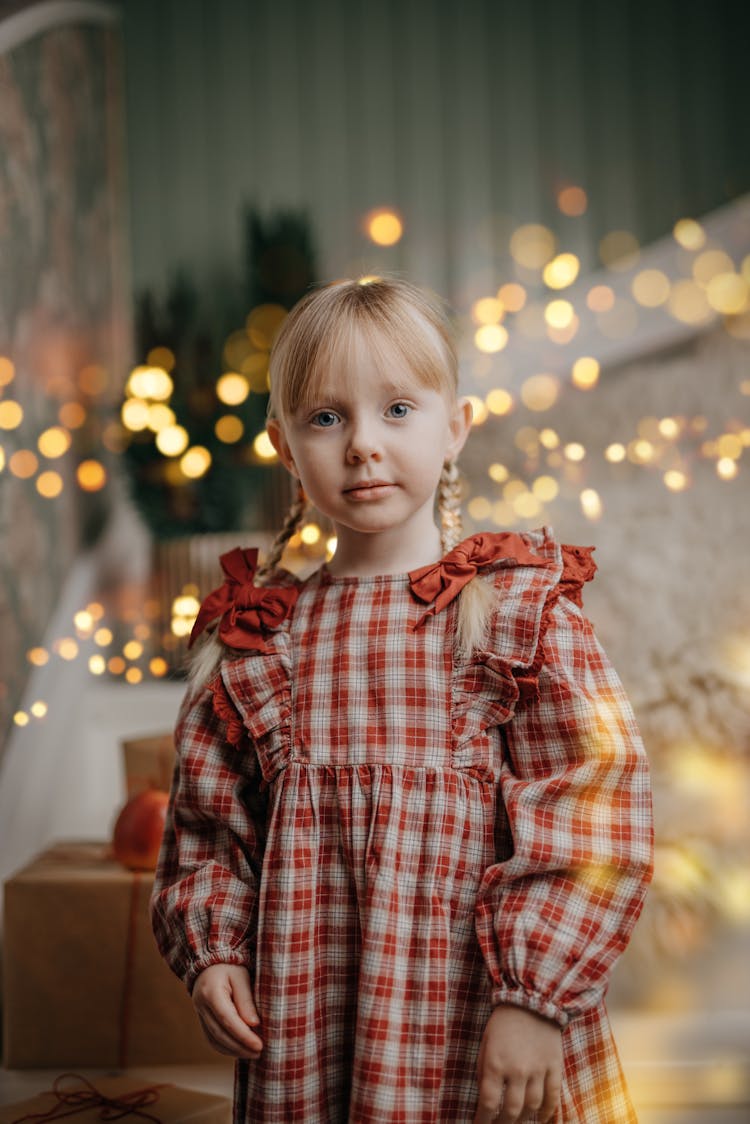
(391, 317)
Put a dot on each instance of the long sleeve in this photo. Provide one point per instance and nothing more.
(202, 908)
(553, 915)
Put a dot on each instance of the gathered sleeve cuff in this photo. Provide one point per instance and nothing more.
(554, 915)
(205, 887)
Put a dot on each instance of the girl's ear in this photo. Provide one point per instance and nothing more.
(280, 444)
(460, 424)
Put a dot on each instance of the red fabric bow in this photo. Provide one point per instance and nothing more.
(441, 581)
(246, 610)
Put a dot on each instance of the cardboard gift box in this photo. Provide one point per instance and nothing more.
(148, 763)
(119, 1098)
(84, 983)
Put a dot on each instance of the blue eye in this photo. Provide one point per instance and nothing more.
(399, 410)
(325, 419)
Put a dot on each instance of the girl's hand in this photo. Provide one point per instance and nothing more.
(223, 998)
(519, 1067)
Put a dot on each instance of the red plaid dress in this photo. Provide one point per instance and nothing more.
(393, 839)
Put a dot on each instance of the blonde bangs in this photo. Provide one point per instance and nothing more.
(400, 327)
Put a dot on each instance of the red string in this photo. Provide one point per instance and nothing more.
(87, 1096)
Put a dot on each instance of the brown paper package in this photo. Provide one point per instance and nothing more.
(174, 1103)
(84, 983)
(148, 763)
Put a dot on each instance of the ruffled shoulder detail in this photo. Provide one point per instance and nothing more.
(258, 685)
(578, 568)
(224, 709)
(504, 673)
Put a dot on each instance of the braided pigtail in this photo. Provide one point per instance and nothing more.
(211, 649)
(449, 507)
(477, 600)
(291, 525)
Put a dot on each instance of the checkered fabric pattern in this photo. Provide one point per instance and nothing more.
(393, 840)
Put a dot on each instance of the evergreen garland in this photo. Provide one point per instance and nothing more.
(205, 335)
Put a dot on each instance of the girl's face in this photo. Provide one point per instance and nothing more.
(370, 448)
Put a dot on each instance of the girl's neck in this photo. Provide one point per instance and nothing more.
(368, 555)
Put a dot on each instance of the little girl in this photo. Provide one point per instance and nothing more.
(410, 820)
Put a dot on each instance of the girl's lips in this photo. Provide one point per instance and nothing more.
(373, 491)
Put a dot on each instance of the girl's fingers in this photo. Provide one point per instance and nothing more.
(514, 1099)
(551, 1101)
(244, 1045)
(242, 994)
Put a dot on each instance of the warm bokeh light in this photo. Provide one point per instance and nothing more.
(66, 648)
(263, 448)
(49, 485)
(591, 504)
(103, 637)
(600, 298)
(262, 325)
(158, 667)
(512, 296)
(133, 675)
(310, 534)
(39, 708)
(384, 227)
(689, 233)
(38, 657)
(559, 313)
(545, 488)
(615, 453)
(72, 415)
(91, 476)
(232, 389)
(532, 246)
(133, 650)
(549, 438)
(491, 338)
(229, 429)
(688, 303)
(54, 442)
(7, 371)
(498, 472)
(479, 508)
(726, 468)
(160, 417)
(540, 392)
(669, 428)
(134, 414)
(97, 665)
(21, 718)
(23, 464)
(728, 293)
(93, 379)
(561, 271)
(116, 665)
(650, 288)
(574, 451)
(499, 402)
(151, 383)
(711, 263)
(572, 201)
(195, 462)
(487, 310)
(11, 414)
(675, 480)
(585, 372)
(172, 440)
(161, 357)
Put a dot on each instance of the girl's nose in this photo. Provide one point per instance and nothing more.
(363, 445)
